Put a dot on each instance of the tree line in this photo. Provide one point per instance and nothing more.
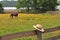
(37, 6)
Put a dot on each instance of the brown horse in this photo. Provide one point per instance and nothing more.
(14, 14)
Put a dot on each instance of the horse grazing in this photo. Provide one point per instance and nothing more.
(14, 14)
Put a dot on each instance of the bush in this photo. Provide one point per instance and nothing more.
(1, 8)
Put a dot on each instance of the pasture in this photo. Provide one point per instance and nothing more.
(24, 22)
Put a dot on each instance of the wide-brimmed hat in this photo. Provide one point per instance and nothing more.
(38, 27)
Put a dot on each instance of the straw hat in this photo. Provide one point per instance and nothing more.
(38, 27)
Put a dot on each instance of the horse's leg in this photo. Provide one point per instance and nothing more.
(11, 16)
(16, 16)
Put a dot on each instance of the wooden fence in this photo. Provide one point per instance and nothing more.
(31, 33)
(53, 12)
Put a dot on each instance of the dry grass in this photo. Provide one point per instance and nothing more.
(24, 22)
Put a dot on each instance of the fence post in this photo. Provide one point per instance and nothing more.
(0, 38)
(39, 35)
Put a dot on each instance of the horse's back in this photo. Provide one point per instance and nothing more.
(14, 14)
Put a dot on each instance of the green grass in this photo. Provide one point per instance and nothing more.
(25, 22)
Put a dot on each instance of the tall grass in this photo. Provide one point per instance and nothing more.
(24, 22)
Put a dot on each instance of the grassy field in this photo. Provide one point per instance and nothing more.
(24, 22)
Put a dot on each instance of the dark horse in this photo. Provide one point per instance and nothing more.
(14, 14)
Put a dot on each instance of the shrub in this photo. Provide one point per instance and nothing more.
(1, 8)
